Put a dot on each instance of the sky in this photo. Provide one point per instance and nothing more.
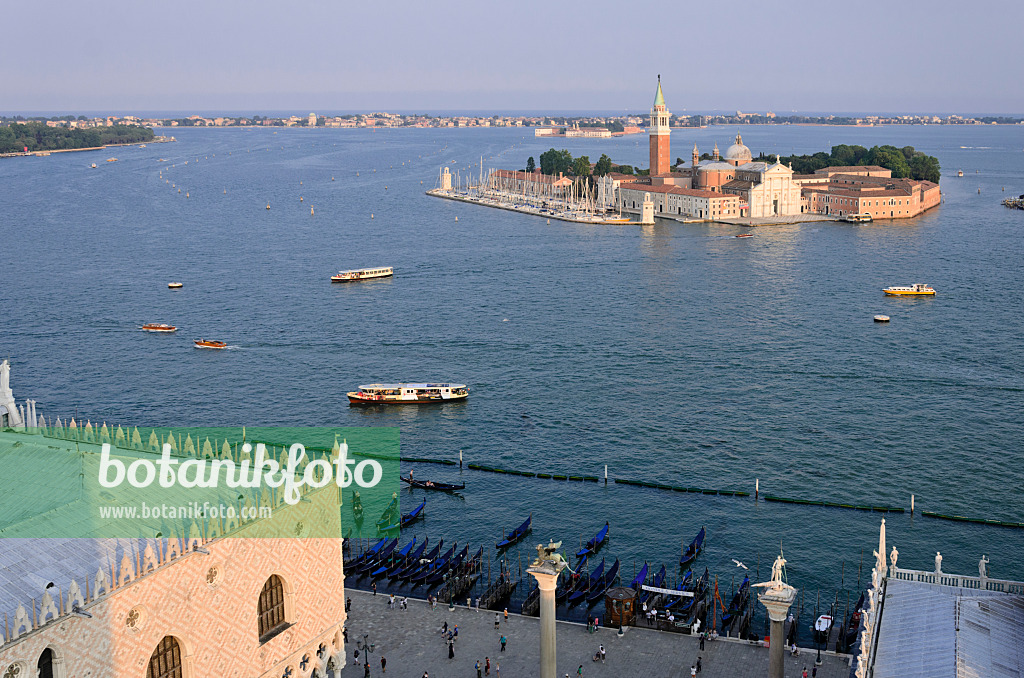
(339, 56)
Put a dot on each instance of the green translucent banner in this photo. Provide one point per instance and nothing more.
(199, 483)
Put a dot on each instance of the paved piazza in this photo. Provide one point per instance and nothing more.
(411, 641)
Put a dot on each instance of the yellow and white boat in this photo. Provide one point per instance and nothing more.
(917, 289)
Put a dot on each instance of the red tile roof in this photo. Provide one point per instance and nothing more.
(675, 190)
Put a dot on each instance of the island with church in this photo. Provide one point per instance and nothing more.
(880, 183)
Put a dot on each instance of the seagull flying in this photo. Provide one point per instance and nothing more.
(739, 564)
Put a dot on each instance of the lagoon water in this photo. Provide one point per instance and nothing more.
(674, 353)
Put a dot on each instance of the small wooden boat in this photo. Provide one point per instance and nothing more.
(745, 235)
(94, 165)
(594, 544)
(693, 550)
(158, 327)
(206, 343)
(175, 285)
(111, 159)
(917, 289)
(516, 534)
(431, 485)
(881, 318)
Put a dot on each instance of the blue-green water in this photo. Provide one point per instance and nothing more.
(674, 353)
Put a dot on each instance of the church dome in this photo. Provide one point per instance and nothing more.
(738, 152)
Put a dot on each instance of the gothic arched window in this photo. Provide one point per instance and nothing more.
(165, 661)
(271, 608)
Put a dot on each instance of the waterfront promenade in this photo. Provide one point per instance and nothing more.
(411, 641)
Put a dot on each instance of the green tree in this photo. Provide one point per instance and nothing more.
(603, 166)
(553, 162)
(530, 164)
(581, 166)
(623, 169)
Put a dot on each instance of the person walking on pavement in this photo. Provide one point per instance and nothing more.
(698, 665)
(503, 641)
(479, 674)
(348, 605)
(374, 587)
(506, 614)
(487, 666)
(497, 620)
(451, 650)
(383, 664)
(497, 669)
(702, 641)
(804, 674)
(579, 671)
(693, 671)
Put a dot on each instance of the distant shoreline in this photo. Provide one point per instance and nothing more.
(22, 154)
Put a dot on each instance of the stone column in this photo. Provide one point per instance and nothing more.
(545, 570)
(777, 601)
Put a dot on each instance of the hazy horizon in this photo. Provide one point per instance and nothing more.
(464, 56)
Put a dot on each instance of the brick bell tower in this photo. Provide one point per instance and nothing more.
(660, 135)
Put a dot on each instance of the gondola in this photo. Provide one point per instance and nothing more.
(419, 562)
(516, 534)
(594, 544)
(607, 581)
(584, 588)
(693, 550)
(432, 485)
(853, 624)
(700, 590)
(372, 563)
(390, 514)
(659, 579)
(397, 568)
(366, 554)
(438, 576)
(684, 587)
(736, 605)
(413, 515)
(420, 575)
(427, 570)
(639, 580)
(574, 578)
(357, 507)
(399, 557)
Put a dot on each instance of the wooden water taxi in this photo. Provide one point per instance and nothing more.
(881, 318)
(174, 285)
(861, 218)
(917, 289)
(407, 394)
(362, 274)
(205, 343)
(745, 235)
(158, 327)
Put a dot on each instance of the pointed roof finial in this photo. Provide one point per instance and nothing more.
(659, 98)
